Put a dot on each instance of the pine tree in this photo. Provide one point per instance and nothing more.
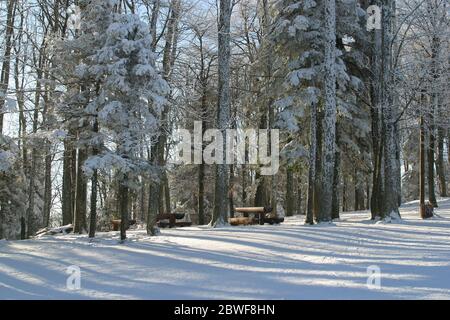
(122, 95)
(13, 199)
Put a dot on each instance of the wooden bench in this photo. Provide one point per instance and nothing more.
(172, 217)
(262, 215)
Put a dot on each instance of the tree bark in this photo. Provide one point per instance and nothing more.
(81, 195)
(6, 64)
(431, 148)
(422, 167)
(312, 165)
(153, 198)
(390, 196)
(329, 121)
(289, 192)
(317, 198)
(336, 181)
(67, 186)
(123, 207)
(94, 182)
(220, 213)
(376, 201)
(440, 164)
(299, 197)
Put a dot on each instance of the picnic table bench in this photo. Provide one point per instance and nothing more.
(262, 216)
(172, 217)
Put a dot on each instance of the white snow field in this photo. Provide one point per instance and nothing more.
(288, 261)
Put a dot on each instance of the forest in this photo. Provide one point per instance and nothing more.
(347, 100)
(92, 92)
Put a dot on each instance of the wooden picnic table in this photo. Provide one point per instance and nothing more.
(260, 212)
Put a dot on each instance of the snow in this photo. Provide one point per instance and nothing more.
(288, 261)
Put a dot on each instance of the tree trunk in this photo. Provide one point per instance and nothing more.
(336, 181)
(81, 195)
(289, 192)
(32, 226)
(368, 193)
(390, 208)
(47, 187)
(312, 165)
(299, 197)
(67, 186)
(422, 167)
(153, 198)
(329, 121)
(344, 194)
(94, 181)
(168, 55)
(431, 147)
(376, 201)
(123, 207)
(231, 192)
(4, 77)
(93, 213)
(220, 213)
(440, 164)
(153, 22)
(317, 198)
(201, 194)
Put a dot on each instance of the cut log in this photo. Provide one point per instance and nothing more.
(242, 221)
(53, 231)
(254, 209)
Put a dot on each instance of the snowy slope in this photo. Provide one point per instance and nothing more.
(289, 261)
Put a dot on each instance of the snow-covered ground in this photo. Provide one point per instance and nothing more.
(289, 261)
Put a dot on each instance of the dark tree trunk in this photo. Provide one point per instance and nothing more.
(422, 168)
(368, 194)
(335, 206)
(440, 164)
(4, 76)
(47, 188)
(93, 213)
(74, 180)
(312, 165)
(431, 147)
(153, 206)
(289, 192)
(201, 194)
(94, 181)
(230, 192)
(317, 179)
(67, 187)
(123, 206)
(344, 194)
(299, 197)
(153, 198)
(81, 197)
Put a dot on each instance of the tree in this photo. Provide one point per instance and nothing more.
(122, 95)
(6, 60)
(329, 121)
(220, 213)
